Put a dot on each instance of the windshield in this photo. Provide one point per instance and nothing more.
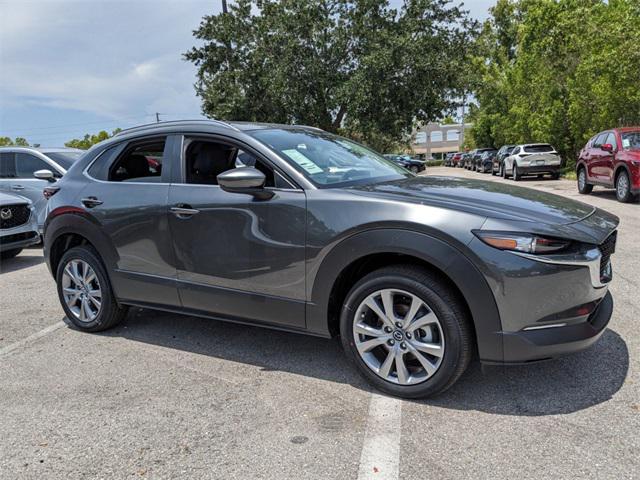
(327, 160)
(631, 140)
(64, 159)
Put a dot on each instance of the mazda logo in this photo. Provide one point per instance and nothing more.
(6, 214)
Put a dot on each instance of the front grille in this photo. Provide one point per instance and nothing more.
(607, 248)
(12, 216)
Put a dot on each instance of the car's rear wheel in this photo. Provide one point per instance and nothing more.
(623, 188)
(7, 254)
(406, 332)
(503, 171)
(85, 292)
(516, 174)
(583, 186)
(414, 169)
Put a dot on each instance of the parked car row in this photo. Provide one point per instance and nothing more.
(610, 159)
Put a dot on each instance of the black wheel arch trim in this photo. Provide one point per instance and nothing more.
(446, 258)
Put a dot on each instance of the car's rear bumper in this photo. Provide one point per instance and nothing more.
(534, 345)
(538, 169)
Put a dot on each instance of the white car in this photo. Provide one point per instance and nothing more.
(18, 225)
(532, 159)
(25, 171)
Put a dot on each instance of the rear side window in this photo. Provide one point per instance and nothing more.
(139, 162)
(539, 149)
(7, 165)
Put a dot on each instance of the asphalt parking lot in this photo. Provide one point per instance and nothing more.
(169, 396)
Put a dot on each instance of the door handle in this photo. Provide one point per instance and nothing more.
(17, 187)
(91, 202)
(183, 211)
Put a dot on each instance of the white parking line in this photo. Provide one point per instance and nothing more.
(10, 348)
(381, 447)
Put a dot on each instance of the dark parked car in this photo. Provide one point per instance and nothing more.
(455, 160)
(448, 159)
(476, 158)
(612, 159)
(324, 236)
(410, 163)
(485, 163)
(498, 159)
(465, 159)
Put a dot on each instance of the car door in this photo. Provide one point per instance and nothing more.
(27, 185)
(607, 158)
(237, 255)
(596, 169)
(126, 196)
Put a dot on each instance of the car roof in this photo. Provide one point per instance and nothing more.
(44, 150)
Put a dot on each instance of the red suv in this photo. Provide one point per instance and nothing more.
(612, 159)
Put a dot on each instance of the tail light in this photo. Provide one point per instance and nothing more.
(49, 192)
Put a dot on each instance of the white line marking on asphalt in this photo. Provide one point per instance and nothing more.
(10, 348)
(380, 456)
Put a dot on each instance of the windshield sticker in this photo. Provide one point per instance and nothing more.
(303, 161)
(625, 143)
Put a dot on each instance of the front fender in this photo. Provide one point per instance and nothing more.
(446, 258)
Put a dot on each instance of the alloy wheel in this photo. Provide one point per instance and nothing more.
(582, 179)
(81, 290)
(622, 186)
(398, 336)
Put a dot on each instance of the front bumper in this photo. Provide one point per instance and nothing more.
(18, 240)
(535, 345)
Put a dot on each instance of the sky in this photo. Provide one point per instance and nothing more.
(70, 67)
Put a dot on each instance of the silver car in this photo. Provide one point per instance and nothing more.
(18, 225)
(26, 171)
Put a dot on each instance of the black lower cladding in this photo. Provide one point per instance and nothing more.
(12, 216)
(533, 345)
(18, 237)
(538, 169)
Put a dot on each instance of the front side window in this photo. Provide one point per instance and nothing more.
(631, 140)
(26, 164)
(328, 160)
(611, 140)
(7, 165)
(139, 162)
(600, 139)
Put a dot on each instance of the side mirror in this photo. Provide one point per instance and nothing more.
(45, 174)
(607, 147)
(247, 180)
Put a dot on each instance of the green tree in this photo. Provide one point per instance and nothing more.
(556, 71)
(18, 142)
(89, 140)
(359, 68)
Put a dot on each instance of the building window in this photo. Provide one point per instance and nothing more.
(453, 135)
(421, 137)
(436, 136)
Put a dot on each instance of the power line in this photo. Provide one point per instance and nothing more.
(34, 130)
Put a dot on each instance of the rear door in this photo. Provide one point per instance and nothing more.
(127, 196)
(237, 256)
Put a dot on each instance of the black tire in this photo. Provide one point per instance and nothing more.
(516, 176)
(110, 312)
(503, 171)
(7, 254)
(441, 300)
(623, 188)
(555, 176)
(414, 169)
(583, 187)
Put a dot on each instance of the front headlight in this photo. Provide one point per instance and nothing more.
(522, 242)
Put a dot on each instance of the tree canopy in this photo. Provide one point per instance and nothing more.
(89, 140)
(556, 71)
(357, 67)
(18, 142)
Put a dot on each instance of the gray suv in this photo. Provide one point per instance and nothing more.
(293, 228)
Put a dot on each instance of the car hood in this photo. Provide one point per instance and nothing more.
(490, 199)
(9, 199)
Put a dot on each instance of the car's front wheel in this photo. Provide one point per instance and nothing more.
(414, 169)
(85, 292)
(406, 331)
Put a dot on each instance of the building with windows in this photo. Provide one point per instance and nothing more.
(436, 140)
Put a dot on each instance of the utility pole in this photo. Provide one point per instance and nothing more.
(224, 6)
(157, 117)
